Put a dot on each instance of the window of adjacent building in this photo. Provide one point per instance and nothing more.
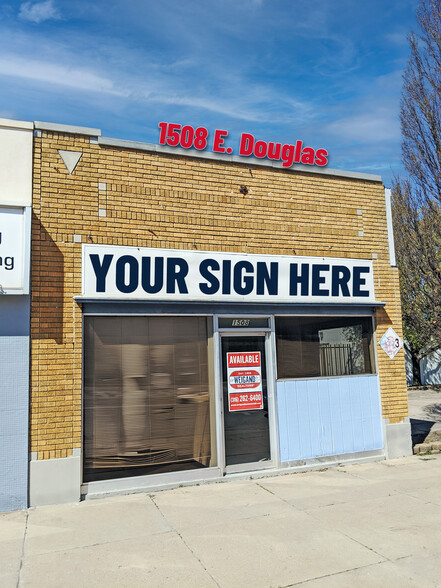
(147, 396)
(312, 347)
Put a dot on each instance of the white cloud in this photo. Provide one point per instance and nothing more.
(397, 38)
(7, 114)
(162, 83)
(38, 11)
(51, 73)
(373, 118)
(376, 125)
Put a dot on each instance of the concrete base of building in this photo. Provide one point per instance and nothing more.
(55, 481)
(397, 438)
(158, 482)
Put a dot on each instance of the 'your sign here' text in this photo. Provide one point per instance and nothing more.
(164, 274)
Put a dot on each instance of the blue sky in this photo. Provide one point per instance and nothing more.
(326, 72)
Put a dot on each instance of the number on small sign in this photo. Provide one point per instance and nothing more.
(240, 323)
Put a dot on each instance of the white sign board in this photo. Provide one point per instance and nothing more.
(391, 343)
(15, 225)
(131, 273)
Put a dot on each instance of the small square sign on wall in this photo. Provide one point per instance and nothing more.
(391, 343)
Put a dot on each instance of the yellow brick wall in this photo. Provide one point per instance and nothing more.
(159, 200)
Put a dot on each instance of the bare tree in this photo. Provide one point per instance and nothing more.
(417, 200)
(418, 247)
(421, 105)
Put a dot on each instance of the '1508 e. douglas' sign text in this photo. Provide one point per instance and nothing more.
(176, 135)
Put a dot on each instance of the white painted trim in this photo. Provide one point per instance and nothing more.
(16, 124)
(390, 228)
(220, 444)
(27, 249)
(12, 204)
(333, 460)
(46, 126)
(149, 482)
(271, 369)
(249, 467)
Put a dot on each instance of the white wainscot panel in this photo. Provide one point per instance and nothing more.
(328, 416)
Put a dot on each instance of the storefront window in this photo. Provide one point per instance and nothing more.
(146, 396)
(311, 347)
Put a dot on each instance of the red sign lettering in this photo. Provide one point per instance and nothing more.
(176, 135)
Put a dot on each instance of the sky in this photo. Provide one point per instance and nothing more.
(326, 72)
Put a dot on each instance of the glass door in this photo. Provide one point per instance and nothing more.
(245, 402)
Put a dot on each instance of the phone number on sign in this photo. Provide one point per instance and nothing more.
(248, 398)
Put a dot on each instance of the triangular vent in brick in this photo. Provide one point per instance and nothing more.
(70, 159)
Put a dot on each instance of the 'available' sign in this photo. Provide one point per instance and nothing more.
(244, 381)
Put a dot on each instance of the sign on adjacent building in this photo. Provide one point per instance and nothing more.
(165, 274)
(15, 224)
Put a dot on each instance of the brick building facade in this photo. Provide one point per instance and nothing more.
(324, 372)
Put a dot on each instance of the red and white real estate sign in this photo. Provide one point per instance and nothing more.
(244, 381)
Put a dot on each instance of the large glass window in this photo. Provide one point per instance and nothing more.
(311, 347)
(146, 396)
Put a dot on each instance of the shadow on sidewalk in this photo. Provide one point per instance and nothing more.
(420, 430)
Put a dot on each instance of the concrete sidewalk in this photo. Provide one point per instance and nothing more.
(377, 524)
(425, 413)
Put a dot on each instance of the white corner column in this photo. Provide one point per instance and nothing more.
(397, 438)
(55, 481)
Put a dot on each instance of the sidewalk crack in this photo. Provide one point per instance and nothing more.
(22, 550)
(266, 489)
(334, 574)
(152, 498)
(344, 534)
(296, 508)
